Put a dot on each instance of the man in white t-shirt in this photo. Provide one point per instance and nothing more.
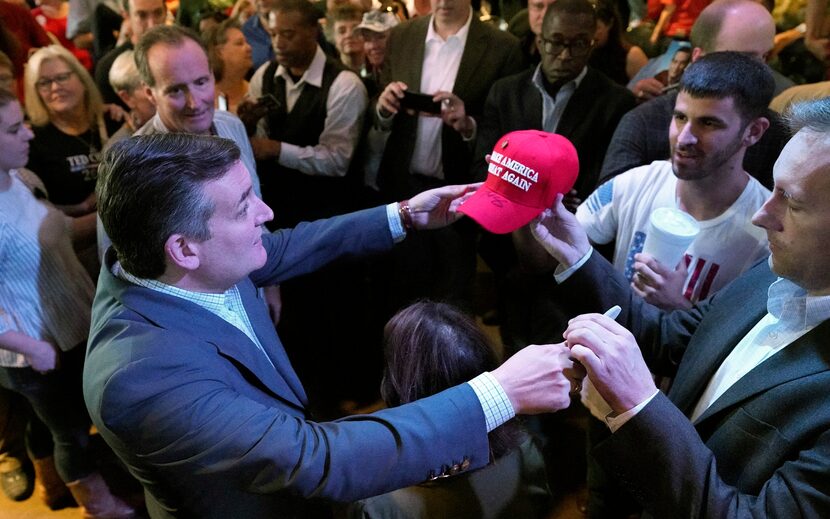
(718, 115)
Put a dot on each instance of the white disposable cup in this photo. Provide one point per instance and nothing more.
(670, 232)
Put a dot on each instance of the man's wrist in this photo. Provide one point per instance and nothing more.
(494, 401)
(469, 131)
(405, 214)
(615, 421)
(563, 271)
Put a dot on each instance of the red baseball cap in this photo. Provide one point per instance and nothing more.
(527, 170)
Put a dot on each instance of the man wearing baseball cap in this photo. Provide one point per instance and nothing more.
(374, 29)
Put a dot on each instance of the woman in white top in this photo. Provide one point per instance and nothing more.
(45, 301)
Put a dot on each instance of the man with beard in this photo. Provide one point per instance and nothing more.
(717, 116)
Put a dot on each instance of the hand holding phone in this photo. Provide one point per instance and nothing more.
(420, 103)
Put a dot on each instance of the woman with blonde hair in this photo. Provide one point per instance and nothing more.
(71, 126)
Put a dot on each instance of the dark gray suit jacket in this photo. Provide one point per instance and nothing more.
(761, 450)
(489, 54)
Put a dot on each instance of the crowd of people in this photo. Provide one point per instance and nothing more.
(229, 231)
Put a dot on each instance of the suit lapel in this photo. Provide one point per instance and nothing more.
(806, 356)
(267, 335)
(707, 352)
(474, 51)
(574, 113)
(189, 319)
(411, 53)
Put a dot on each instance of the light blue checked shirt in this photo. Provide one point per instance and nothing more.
(228, 306)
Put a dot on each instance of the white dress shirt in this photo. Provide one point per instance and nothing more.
(438, 72)
(345, 107)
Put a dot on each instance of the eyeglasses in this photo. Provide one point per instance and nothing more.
(45, 83)
(576, 48)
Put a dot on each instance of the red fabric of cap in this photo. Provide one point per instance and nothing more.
(527, 170)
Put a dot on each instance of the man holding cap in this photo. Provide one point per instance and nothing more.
(187, 380)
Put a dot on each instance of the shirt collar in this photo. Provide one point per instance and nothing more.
(537, 79)
(313, 75)
(791, 305)
(461, 35)
(215, 303)
(160, 127)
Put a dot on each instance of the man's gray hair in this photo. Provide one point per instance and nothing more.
(809, 115)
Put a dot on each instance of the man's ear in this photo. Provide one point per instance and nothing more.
(126, 97)
(149, 92)
(182, 252)
(755, 130)
(697, 53)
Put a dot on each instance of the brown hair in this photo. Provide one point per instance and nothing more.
(430, 347)
(214, 38)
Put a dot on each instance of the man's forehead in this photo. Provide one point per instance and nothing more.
(570, 24)
(188, 51)
(804, 165)
(705, 106)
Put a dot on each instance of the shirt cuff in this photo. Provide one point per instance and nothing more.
(561, 274)
(395, 224)
(494, 402)
(473, 134)
(384, 123)
(614, 422)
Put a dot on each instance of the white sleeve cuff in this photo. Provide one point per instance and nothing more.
(395, 224)
(561, 274)
(494, 401)
(614, 422)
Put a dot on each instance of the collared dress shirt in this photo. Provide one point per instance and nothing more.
(345, 109)
(554, 107)
(791, 314)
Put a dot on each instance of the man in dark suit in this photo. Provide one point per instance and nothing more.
(745, 429)
(454, 57)
(187, 381)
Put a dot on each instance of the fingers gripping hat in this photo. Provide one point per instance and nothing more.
(527, 170)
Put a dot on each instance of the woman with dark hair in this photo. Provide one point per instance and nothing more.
(613, 55)
(430, 347)
(231, 59)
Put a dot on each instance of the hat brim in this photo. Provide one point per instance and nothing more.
(496, 213)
